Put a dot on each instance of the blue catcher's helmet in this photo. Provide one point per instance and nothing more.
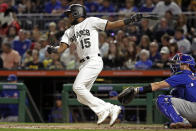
(179, 59)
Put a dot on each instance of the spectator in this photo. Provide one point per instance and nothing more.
(144, 62)
(163, 6)
(52, 5)
(154, 52)
(11, 35)
(113, 60)
(9, 112)
(27, 58)
(173, 47)
(55, 64)
(22, 44)
(1, 63)
(92, 5)
(129, 7)
(6, 18)
(62, 26)
(106, 7)
(170, 19)
(36, 34)
(192, 8)
(69, 58)
(165, 40)
(51, 34)
(47, 60)
(144, 29)
(35, 64)
(182, 23)
(184, 45)
(44, 45)
(164, 62)
(103, 45)
(147, 7)
(162, 28)
(193, 48)
(145, 42)
(11, 58)
(133, 33)
(130, 58)
(56, 114)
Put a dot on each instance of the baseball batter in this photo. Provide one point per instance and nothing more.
(84, 33)
(180, 106)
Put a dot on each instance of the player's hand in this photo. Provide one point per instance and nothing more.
(136, 17)
(51, 49)
(127, 95)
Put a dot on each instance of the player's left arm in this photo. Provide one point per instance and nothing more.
(120, 23)
(133, 19)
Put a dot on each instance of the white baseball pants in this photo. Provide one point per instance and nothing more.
(88, 72)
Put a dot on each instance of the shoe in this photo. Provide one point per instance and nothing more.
(114, 112)
(102, 116)
(180, 125)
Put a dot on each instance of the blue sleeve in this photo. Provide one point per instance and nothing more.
(176, 80)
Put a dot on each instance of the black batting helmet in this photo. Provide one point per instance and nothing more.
(76, 10)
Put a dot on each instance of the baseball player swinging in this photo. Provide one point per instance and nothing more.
(84, 33)
(180, 106)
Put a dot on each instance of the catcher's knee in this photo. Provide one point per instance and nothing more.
(162, 101)
(165, 106)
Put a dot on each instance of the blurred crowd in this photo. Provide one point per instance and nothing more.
(145, 45)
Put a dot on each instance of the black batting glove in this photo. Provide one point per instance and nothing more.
(137, 17)
(51, 49)
(133, 19)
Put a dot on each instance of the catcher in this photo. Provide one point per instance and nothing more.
(180, 106)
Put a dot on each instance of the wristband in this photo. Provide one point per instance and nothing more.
(144, 89)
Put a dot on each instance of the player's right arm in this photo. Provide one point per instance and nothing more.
(58, 49)
(64, 44)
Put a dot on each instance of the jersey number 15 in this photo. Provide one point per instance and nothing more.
(85, 43)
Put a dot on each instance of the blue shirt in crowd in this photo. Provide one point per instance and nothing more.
(92, 6)
(106, 9)
(146, 9)
(143, 65)
(49, 6)
(184, 79)
(21, 46)
(157, 57)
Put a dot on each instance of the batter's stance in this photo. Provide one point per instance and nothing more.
(84, 33)
(180, 106)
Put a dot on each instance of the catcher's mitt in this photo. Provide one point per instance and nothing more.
(127, 95)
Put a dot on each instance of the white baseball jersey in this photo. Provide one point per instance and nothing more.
(85, 36)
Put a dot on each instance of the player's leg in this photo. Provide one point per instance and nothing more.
(114, 109)
(186, 109)
(86, 76)
(165, 106)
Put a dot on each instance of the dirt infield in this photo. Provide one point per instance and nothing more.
(78, 126)
(82, 127)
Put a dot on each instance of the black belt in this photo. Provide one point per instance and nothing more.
(86, 58)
